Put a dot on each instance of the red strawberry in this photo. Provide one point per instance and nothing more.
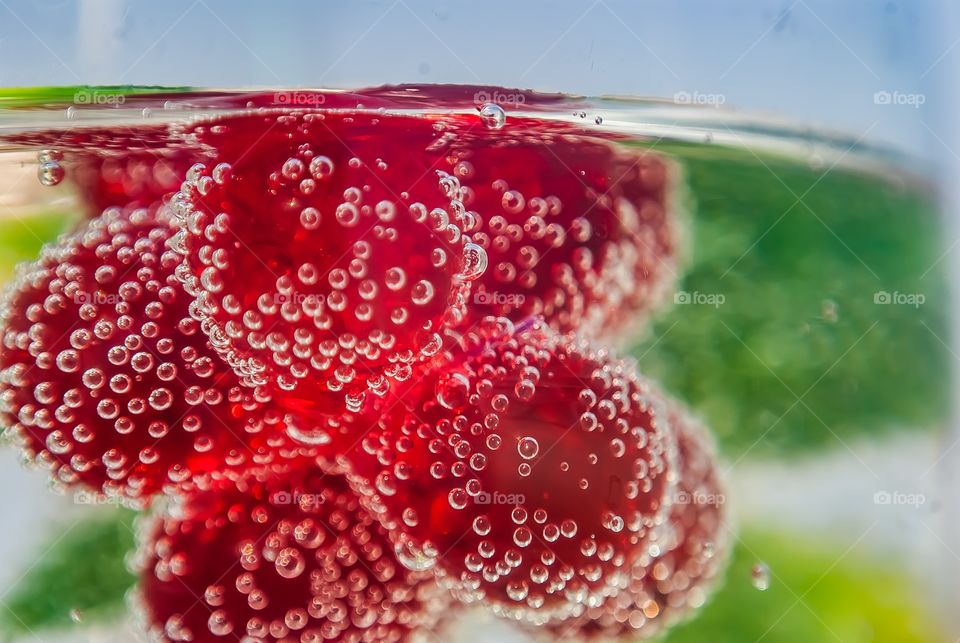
(689, 554)
(529, 471)
(283, 555)
(325, 251)
(578, 229)
(107, 381)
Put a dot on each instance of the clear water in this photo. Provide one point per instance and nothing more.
(810, 331)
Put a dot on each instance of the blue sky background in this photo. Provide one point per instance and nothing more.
(815, 61)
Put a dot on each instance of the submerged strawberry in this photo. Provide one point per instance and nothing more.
(325, 251)
(530, 471)
(685, 559)
(577, 229)
(286, 554)
(107, 381)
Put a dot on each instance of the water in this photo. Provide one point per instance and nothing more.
(805, 320)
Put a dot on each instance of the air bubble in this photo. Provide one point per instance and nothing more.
(452, 390)
(413, 558)
(458, 498)
(474, 262)
(528, 448)
(493, 116)
(321, 167)
(312, 437)
(50, 173)
(290, 562)
(760, 576)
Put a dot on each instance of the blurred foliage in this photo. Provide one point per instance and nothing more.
(81, 569)
(22, 237)
(798, 317)
(39, 96)
(816, 594)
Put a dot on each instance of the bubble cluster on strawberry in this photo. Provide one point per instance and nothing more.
(320, 253)
(355, 351)
(576, 229)
(687, 555)
(107, 381)
(531, 470)
(282, 554)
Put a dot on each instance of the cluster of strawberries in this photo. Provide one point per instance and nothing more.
(353, 355)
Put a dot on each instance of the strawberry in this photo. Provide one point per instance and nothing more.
(576, 228)
(528, 469)
(325, 251)
(284, 554)
(107, 381)
(676, 577)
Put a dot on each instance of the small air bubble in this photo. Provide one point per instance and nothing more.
(310, 437)
(760, 576)
(321, 167)
(474, 262)
(413, 558)
(290, 562)
(50, 173)
(452, 390)
(528, 448)
(493, 116)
